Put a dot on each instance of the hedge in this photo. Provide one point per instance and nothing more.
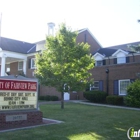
(48, 98)
(95, 96)
(114, 100)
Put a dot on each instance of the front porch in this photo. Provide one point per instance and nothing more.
(6, 58)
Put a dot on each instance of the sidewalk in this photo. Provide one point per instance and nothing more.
(104, 105)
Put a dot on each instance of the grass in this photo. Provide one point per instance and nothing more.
(81, 122)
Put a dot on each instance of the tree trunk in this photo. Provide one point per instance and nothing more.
(62, 100)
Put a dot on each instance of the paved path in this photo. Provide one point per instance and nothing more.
(104, 105)
(88, 103)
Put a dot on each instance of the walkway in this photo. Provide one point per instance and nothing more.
(88, 103)
(104, 105)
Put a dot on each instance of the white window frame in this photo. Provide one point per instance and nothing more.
(92, 87)
(18, 65)
(121, 60)
(32, 59)
(120, 86)
(101, 64)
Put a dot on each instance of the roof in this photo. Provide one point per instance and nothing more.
(111, 50)
(124, 46)
(12, 45)
(106, 51)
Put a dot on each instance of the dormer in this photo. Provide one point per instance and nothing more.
(121, 56)
(99, 59)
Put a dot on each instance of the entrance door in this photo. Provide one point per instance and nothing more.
(66, 96)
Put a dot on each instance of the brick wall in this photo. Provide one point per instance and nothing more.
(85, 36)
(33, 118)
(116, 72)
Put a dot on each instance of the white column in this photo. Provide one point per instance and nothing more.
(24, 66)
(3, 60)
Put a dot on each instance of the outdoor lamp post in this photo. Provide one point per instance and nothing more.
(107, 80)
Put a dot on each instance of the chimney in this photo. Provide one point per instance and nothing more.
(51, 26)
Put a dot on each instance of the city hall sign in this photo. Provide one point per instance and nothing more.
(18, 94)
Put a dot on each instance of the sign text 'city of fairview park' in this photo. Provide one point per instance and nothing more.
(18, 85)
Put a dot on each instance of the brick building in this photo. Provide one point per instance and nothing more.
(115, 66)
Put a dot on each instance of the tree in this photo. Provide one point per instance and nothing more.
(135, 48)
(64, 64)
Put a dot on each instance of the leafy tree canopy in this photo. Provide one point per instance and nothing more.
(135, 48)
(64, 64)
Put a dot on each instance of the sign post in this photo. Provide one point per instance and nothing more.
(19, 103)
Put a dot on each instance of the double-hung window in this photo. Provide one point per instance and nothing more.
(20, 65)
(123, 84)
(121, 60)
(33, 63)
(99, 63)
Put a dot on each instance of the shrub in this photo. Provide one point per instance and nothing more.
(114, 100)
(133, 97)
(47, 97)
(41, 98)
(53, 98)
(95, 96)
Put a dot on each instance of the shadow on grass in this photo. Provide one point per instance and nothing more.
(81, 122)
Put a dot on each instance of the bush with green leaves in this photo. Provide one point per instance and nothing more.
(48, 98)
(53, 98)
(95, 96)
(41, 97)
(114, 100)
(133, 97)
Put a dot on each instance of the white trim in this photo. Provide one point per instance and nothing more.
(119, 50)
(119, 84)
(96, 54)
(32, 62)
(13, 55)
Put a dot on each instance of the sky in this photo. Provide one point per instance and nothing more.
(112, 22)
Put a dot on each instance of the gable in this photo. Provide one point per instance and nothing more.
(86, 37)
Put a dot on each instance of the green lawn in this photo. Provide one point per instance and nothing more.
(81, 122)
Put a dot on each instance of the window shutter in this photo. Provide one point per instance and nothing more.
(101, 85)
(127, 59)
(104, 62)
(116, 87)
(29, 63)
(115, 60)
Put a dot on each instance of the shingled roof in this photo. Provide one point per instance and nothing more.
(111, 50)
(124, 46)
(16, 46)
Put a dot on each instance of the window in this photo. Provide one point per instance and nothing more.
(20, 65)
(99, 63)
(33, 63)
(121, 60)
(123, 84)
(95, 86)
